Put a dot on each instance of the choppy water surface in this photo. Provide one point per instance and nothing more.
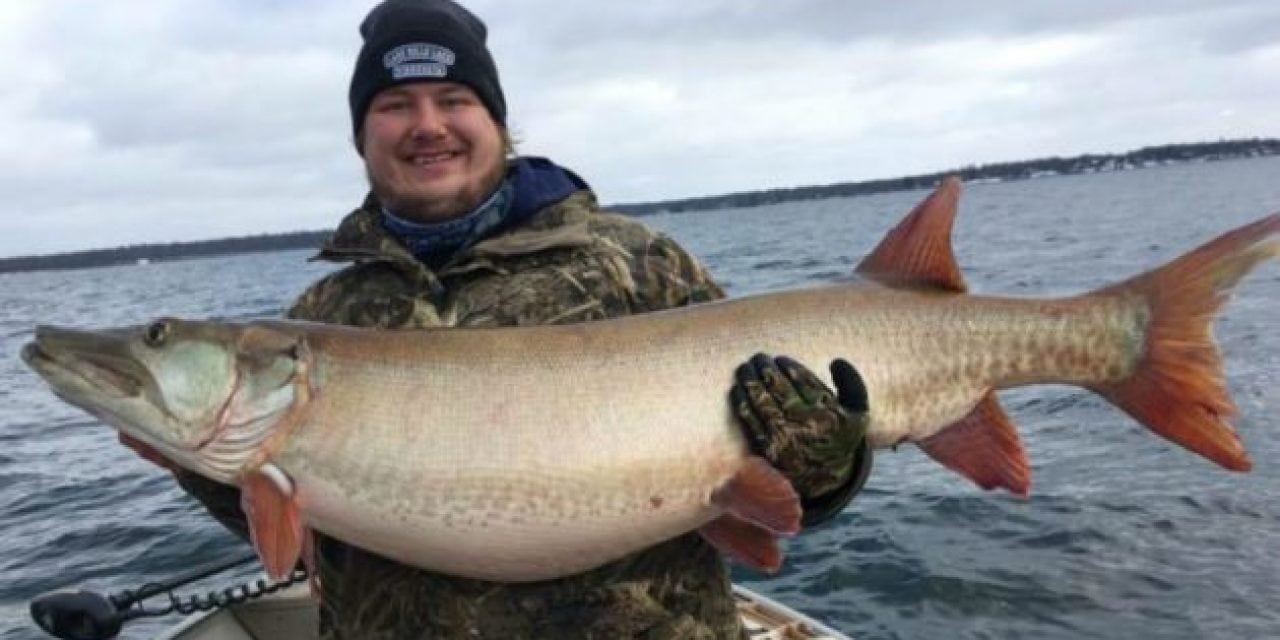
(1124, 535)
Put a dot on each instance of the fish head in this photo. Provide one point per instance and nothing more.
(202, 394)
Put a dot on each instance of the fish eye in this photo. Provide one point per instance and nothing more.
(156, 333)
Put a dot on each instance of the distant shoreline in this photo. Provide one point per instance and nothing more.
(997, 172)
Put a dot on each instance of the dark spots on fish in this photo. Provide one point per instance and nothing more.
(655, 502)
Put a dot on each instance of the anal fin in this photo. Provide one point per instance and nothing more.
(983, 446)
(275, 521)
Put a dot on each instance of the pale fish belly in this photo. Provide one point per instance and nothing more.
(517, 501)
(512, 525)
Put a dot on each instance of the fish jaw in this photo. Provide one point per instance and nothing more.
(100, 373)
(202, 395)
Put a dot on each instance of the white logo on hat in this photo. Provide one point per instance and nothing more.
(418, 60)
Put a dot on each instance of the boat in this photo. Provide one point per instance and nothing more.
(265, 609)
(292, 613)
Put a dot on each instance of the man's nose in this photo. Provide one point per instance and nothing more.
(429, 122)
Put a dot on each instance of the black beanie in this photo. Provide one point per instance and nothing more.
(416, 40)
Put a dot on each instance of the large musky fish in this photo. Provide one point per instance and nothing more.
(521, 454)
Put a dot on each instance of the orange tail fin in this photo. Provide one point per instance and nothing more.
(1178, 389)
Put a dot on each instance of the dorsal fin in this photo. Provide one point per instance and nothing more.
(917, 253)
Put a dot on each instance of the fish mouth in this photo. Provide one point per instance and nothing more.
(70, 359)
(98, 372)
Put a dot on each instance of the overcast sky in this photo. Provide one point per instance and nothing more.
(138, 121)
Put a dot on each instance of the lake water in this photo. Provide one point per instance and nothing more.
(1124, 535)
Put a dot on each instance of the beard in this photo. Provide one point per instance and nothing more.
(419, 205)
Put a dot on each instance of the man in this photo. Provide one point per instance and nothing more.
(457, 231)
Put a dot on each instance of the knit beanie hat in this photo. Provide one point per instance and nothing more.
(417, 40)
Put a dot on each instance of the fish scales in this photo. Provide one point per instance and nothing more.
(530, 453)
(383, 437)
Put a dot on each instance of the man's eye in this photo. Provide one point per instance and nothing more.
(393, 105)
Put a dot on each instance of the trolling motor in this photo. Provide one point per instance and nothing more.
(86, 615)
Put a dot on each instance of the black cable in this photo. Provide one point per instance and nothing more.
(85, 615)
(217, 599)
(127, 598)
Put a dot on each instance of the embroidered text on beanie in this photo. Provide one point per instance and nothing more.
(422, 40)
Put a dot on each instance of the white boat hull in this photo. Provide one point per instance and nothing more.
(292, 613)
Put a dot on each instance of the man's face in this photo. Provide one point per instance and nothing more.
(432, 151)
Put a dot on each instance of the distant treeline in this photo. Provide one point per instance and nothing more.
(134, 254)
(1091, 163)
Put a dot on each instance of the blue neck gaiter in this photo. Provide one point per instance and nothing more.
(531, 184)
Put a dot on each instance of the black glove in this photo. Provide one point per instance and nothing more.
(817, 439)
(222, 501)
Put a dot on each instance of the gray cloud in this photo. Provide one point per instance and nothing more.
(155, 120)
(584, 23)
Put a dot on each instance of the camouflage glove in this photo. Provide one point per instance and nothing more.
(817, 439)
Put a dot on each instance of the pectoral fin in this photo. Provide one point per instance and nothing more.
(759, 505)
(984, 447)
(760, 495)
(744, 543)
(275, 521)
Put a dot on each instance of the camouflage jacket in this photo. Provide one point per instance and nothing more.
(570, 262)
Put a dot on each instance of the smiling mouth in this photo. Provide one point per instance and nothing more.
(428, 159)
